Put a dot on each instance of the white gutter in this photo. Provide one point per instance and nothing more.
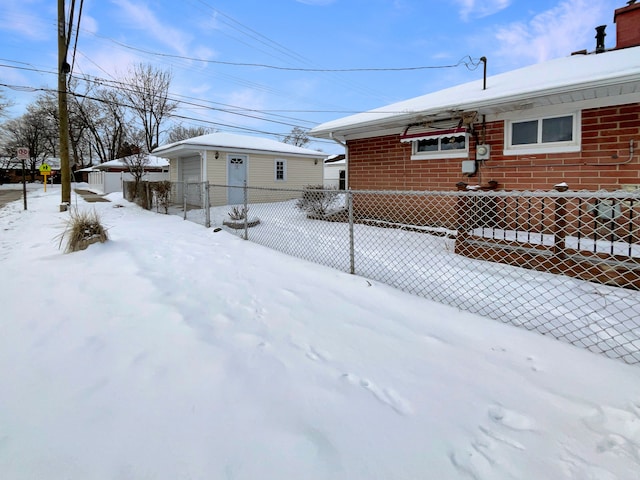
(203, 165)
(336, 140)
(395, 120)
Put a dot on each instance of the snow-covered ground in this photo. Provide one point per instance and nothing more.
(174, 352)
(602, 318)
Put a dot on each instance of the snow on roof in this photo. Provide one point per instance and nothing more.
(558, 76)
(339, 159)
(119, 162)
(224, 140)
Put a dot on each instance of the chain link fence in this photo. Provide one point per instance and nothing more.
(564, 264)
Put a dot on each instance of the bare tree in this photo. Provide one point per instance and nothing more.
(4, 104)
(147, 93)
(178, 132)
(34, 130)
(107, 120)
(137, 164)
(297, 137)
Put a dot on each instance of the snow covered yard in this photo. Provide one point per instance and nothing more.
(602, 318)
(173, 352)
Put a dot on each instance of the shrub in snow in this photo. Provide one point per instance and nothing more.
(238, 213)
(162, 194)
(317, 200)
(238, 218)
(83, 229)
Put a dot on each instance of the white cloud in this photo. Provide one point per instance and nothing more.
(568, 27)
(480, 8)
(19, 20)
(141, 16)
(244, 98)
(88, 24)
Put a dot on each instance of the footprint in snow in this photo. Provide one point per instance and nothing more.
(509, 418)
(386, 396)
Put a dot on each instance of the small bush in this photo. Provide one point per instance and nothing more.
(131, 192)
(162, 194)
(238, 213)
(317, 200)
(83, 229)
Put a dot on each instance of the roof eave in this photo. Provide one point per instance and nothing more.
(489, 106)
(177, 150)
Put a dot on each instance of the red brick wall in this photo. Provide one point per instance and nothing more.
(384, 163)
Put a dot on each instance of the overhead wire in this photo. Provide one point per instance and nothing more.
(75, 43)
(280, 50)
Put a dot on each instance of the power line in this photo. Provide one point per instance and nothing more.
(467, 61)
(75, 43)
(175, 116)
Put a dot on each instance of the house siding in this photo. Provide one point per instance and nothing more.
(261, 173)
(384, 163)
(173, 171)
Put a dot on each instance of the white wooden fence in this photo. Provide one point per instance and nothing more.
(109, 182)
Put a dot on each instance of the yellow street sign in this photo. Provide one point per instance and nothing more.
(45, 168)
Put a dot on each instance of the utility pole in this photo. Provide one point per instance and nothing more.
(63, 112)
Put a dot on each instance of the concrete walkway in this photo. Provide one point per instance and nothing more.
(91, 197)
(7, 196)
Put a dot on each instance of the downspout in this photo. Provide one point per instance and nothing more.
(346, 157)
(203, 165)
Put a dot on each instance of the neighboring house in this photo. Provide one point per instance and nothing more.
(108, 177)
(11, 170)
(335, 172)
(573, 119)
(232, 159)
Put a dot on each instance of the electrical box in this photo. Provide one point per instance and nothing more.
(468, 167)
(483, 152)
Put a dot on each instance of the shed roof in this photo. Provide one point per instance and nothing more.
(154, 162)
(236, 143)
(562, 80)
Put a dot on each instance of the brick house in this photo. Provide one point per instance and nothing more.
(573, 119)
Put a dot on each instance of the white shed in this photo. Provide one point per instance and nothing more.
(231, 160)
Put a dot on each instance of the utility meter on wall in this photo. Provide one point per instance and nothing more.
(483, 152)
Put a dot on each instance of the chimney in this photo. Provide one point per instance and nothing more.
(600, 38)
(627, 20)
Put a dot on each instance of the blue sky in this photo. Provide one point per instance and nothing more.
(204, 43)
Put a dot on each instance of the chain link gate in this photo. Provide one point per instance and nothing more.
(565, 264)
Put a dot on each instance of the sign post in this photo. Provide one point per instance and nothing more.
(45, 171)
(23, 154)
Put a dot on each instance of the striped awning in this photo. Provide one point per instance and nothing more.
(429, 134)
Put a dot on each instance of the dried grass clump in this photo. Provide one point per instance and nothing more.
(82, 230)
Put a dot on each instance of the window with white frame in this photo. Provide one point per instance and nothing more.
(452, 143)
(280, 170)
(550, 134)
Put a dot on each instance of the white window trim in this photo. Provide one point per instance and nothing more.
(284, 170)
(440, 154)
(541, 148)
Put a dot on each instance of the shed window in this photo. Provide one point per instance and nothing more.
(280, 170)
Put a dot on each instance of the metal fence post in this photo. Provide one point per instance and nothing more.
(352, 258)
(185, 187)
(559, 225)
(246, 212)
(207, 206)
